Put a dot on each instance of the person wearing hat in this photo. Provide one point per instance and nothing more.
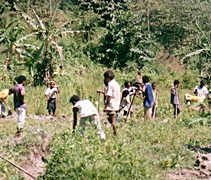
(50, 94)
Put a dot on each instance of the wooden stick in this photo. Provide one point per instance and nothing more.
(23, 170)
(99, 103)
(155, 106)
(130, 104)
(176, 112)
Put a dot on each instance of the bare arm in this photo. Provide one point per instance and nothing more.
(58, 90)
(5, 101)
(75, 110)
(107, 102)
(100, 91)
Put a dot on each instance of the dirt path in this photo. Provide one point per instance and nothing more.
(201, 169)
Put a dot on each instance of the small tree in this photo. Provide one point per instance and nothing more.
(42, 54)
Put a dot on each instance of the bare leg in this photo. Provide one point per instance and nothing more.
(113, 118)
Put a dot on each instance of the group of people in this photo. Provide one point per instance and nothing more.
(200, 91)
(19, 102)
(114, 101)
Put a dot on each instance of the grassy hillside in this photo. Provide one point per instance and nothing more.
(142, 150)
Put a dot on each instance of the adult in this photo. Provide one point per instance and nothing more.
(19, 103)
(175, 101)
(201, 90)
(112, 98)
(87, 111)
(148, 98)
(3, 99)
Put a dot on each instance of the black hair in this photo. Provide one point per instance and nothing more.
(203, 82)
(106, 84)
(176, 82)
(126, 83)
(139, 72)
(145, 79)
(126, 92)
(20, 79)
(154, 83)
(74, 98)
(11, 90)
(109, 74)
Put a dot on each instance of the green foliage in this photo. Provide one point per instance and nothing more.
(190, 79)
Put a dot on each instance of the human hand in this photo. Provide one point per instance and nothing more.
(99, 91)
(105, 109)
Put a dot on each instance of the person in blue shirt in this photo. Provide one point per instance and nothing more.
(148, 98)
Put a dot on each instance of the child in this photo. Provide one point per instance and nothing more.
(3, 96)
(139, 78)
(125, 102)
(50, 94)
(175, 101)
(155, 96)
(87, 111)
(19, 103)
(132, 91)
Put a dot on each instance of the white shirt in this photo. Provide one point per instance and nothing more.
(51, 92)
(113, 90)
(201, 92)
(86, 108)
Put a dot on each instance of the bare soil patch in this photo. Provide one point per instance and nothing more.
(201, 169)
(168, 61)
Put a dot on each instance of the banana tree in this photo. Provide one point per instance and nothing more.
(43, 54)
(9, 36)
(204, 51)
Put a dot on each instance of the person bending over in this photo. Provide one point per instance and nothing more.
(87, 111)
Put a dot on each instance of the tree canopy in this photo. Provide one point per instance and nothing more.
(44, 36)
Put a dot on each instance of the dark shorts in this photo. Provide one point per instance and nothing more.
(51, 104)
(111, 112)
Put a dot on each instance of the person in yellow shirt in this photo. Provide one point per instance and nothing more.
(3, 96)
(191, 99)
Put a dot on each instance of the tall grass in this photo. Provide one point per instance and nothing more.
(142, 150)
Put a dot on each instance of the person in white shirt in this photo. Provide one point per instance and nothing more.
(201, 90)
(51, 94)
(125, 102)
(132, 91)
(87, 111)
(112, 98)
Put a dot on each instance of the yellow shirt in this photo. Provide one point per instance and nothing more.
(194, 99)
(4, 94)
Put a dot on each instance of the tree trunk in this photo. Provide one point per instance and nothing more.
(6, 64)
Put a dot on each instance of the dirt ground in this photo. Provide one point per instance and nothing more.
(170, 62)
(201, 168)
(35, 162)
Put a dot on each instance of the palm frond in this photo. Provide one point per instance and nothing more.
(27, 18)
(27, 36)
(192, 54)
(39, 21)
